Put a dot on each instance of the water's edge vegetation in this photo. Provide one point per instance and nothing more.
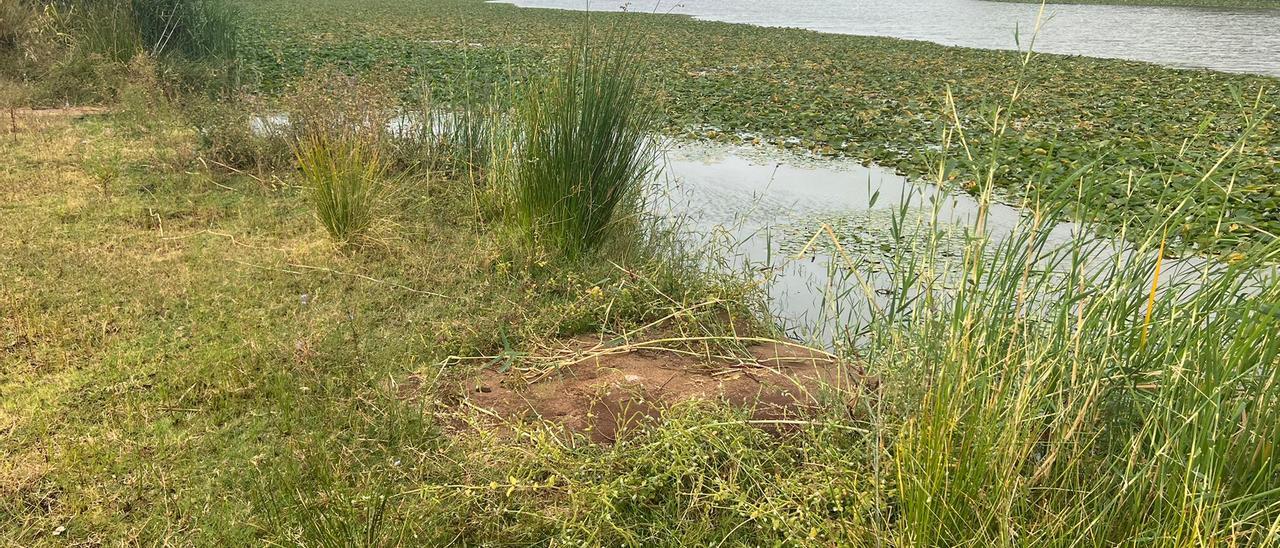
(874, 99)
(255, 300)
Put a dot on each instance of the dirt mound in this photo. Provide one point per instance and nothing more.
(608, 394)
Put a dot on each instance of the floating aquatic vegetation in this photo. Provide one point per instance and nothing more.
(1157, 130)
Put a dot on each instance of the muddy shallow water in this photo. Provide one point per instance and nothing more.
(1231, 40)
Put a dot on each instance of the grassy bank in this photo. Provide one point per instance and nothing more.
(189, 357)
(186, 356)
(876, 99)
(297, 335)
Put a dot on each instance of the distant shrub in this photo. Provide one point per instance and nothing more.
(247, 132)
(331, 103)
(233, 135)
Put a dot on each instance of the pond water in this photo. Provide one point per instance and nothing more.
(762, 207)
(1232, 40)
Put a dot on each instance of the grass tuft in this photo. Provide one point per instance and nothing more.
(586, 150)
(345, 183)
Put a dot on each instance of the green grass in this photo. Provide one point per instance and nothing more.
(346, 183)
(585, 149)
(190, 29)
(876, 99)
(193, 30)
(184, 357)
(1063, 397)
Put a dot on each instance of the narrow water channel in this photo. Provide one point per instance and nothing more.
(1230, 40)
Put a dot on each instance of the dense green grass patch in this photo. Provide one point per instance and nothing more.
(877, 99)
(184, 354)
(586, 150)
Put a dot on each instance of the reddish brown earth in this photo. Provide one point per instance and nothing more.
(604, 397)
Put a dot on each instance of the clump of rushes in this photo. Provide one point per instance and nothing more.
(192, 29)
(1081, 393)
(344, 181)
(585, 150)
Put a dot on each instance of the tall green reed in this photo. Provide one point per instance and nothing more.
(1084, 392)
(194, 30)
(344, 182)
(191, 29)
(585, 149)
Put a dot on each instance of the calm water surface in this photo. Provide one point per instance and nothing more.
(1233, 40)
(760, 207)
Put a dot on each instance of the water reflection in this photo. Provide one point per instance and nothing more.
(763, 207)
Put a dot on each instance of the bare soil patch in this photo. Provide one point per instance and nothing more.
(607, 396)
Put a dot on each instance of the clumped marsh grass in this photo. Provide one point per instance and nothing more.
(193, 30)
(585, 149)
(345, 182)
(1070, 394)
(76, 51)
(1059, 397)
(190, 29)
